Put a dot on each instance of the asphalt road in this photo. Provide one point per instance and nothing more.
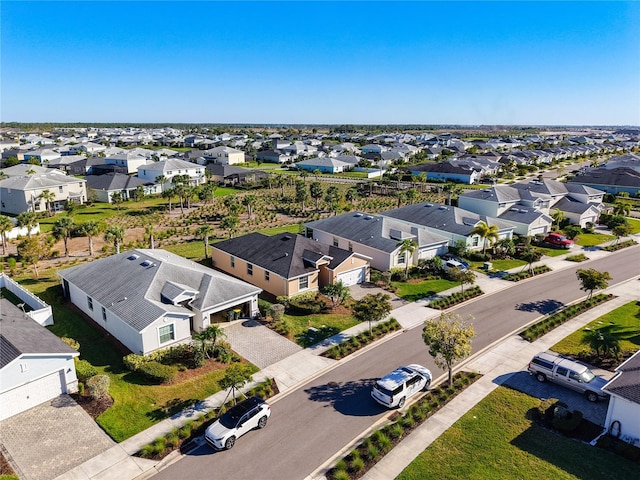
(309, 425)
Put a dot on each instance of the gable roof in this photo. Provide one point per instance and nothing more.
(286, 255)
(375, 231)
(170, 164)
(20, 334)
(626, 383)
(51, 178)
(115, 181)
(621, 177)
(142, 276)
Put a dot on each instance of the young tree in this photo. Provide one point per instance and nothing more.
(373, 307)
(572, 231)
(138, 193)
(488, 234)
(558, 218)
(114, 234)
(332, 197)
(338, 292)
(31, 250)
(236, 376)
(90, 229)
(531, 256)
(449, 339)
(5, 226)
(116, 199)
(208, 338)
(462, 276)
(249, 201)
(48, 196)
(204, 231)
(230, 224)
(602, 342)
(301, 193)
(621, 208)
(207, 193)
(621, 230)
(407, 248)
(62, 229)
(452, 189)
(591, 279)
(315, 189)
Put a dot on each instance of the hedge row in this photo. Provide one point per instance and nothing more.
(362, 340)
(545, 325)
(443, 303)
(373, 448)
(619, 246)
(580, 257)
(516, 277)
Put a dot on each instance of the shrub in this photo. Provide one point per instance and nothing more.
(340, 475)
(372, 452)
(222, 351)
(133, 362)
(71, 342)
(98, 386)
(357, 464)
(157, 372)
(567, 422)
(84, 370)
(277, 312)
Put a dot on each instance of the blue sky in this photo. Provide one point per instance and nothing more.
(468, 63)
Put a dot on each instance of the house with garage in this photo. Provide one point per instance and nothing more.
(35, 365)
(231, 175)
(22, 193)
(623, 410)
(453, 223)
(224, 155)
(171, 167)
(288, 264)
(377, 237)
(324, 165)
(106, 185)
(610, 180)
(153, 299)
(448, 171)
(129, 160)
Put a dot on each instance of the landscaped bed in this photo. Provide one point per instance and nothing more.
(516, 277)
(455, 298)
(362, 340)
(499, 439)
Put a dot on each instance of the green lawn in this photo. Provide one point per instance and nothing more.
(593, 239)
(497, 440)
(499, 265)
(623, 322)
(137, 405)
(553, 252)
(301, 323)
(415, 291)
(635, 224)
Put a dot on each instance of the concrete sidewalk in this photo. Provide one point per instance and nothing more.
(304, 365)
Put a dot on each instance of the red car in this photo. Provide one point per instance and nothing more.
(558, 240)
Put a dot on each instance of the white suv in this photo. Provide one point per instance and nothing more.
(393, 389)
(238, 420)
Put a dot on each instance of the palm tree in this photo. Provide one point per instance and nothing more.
(621, 208)
(62, 229)
(114, 234)
(27, 220)
(208, 338)
(5, 226)
(230, 224)
(558, 217)
(48, 196)
(249, 201)
(148, 231)
(280, 181)
(452, 189)
(332, 197)
(169, 193)
(203, 232)
(407, 248)
(486, 233)
(162, 180)
(315, 189)
(90, 229)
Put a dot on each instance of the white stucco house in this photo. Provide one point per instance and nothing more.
(35, 365)
(623, 412)
(153, 299)
(224, 155)
(171, 167)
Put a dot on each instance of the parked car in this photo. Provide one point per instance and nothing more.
(394, 389)
(451, 264)
(558, 240)
(449, 256)
(568, 373)
(245, 416)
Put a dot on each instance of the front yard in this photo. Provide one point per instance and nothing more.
(417, 289)
(498, 439)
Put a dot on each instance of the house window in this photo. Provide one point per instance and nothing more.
(166, 333)
(303, 283)
(249, 269)
(335, 242)
(104, 314)
(266, 276)
(402, 257)
(233, 262)
(476, 241)
(350, 247)
(90, 303)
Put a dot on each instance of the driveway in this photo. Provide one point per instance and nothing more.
(595, 412)
(65, 436)
(359, 291)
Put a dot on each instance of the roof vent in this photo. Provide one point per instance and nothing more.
(442, 207)
(357, 214)
(146, 263)
(368, 217)
(133, 257)
(428, 205)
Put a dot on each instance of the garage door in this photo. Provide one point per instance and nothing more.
(352, 277)
(30, 395)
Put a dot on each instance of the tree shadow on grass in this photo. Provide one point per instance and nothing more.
(540, 306)
(170, 408)
(414, 297)
(349, 398)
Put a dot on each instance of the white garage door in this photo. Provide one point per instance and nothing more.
(352, 277)
(30, 395)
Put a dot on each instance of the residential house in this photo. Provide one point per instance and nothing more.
(106, 185)
(613, 181)
(153, 299)
(35, 365)
(89, 148)
(623, 411)
(171, 167)
(448, 171)
(41, 155)
(288, 264)
(22, 193)
(324, 164)
(230, 175)
(453, 223)
(224, 155)
(130, 160)
(376, 237)
(272, 156)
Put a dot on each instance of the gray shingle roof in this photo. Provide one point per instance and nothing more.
(627, 383)
(20, 335)
(115, 181)
(283, 254)
(131, 284)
